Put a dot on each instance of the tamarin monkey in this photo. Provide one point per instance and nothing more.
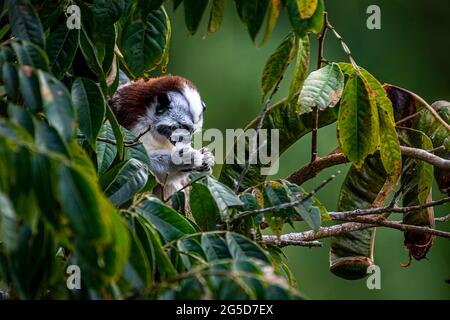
(164, 107)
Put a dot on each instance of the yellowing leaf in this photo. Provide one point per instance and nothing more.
(307, 8)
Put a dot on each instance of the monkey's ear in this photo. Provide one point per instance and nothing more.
(163, 100)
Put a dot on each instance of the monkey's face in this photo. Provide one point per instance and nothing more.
(175, 115)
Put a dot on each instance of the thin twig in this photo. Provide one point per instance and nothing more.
(345, 48)
(315, 109)
(262, 116)
(129, 143)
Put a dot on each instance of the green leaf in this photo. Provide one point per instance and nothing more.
(30, 54)
(214, 247)
(322, 88)
(90, 105)
(82, 205)
(167, 221)
(193, 13)
(9, 227)
(277, 64)
(118, 135)
(358, 124)
(203, 207)
(25, 23)
(439, 135)
(93, 61)
(48, 138)
(352, 253)
(143, 42)
(301, 67)
(131, 177)
(29, 86)
(272, 18)
(389, 145)
(292, 125)
(416, 183)
(57, 105)
(307, 8)
(252, 14)
(242, 248)
(62, 44)
(225, 197)
(11, 81)
(216, 16)
(106, 152)
(301, 25)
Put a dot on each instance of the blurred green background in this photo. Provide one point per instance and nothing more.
(411, 50)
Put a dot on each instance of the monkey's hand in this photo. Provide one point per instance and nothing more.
(188, 159)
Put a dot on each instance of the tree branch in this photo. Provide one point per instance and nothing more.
(310, 170)
(336, 230)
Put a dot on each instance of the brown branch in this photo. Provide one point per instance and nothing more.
(310, 170)
(339, 229)
(364, 212)
(315, 109)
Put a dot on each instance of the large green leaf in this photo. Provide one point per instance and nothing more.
(389, 144)
(352, 253)
(416, 183)
(252, 14)
(167, 221)
(322, 88)
(129, 179)
(82, 205)
(214, 247)
(241, 248)
(57, 105)
(292, 126)
(25, 23)
(106, 152)
(203, 207)
(143, 42)
(277, 64)
(224, 197)
(358, 124)
(193, 13)
(90, 105)
(62, 43)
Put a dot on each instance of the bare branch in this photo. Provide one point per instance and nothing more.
(130, 143)
(336, 230)
(310, 170)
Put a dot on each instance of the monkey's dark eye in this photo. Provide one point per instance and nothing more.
(204, 105)
(162, 103)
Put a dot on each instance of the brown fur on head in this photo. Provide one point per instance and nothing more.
(131, 100)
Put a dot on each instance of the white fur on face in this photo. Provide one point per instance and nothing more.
(196, 106)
